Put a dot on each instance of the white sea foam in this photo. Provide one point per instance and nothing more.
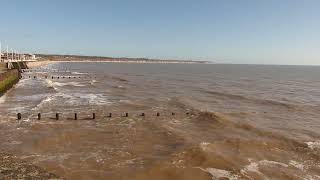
(204, 146)
(272, 163)
(77, 84)
(254, 167)
(78, 99)
(220, 173)
(43, 102)
(92, 82)
(78, 73)
(314, 145)
(34, 97)
(93, 99)
(18, 109)
(297, 165)
(60, 84)
(51, 84)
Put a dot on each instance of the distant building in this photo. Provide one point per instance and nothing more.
(30, 56)
(2, 57)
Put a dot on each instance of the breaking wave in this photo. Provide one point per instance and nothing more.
(237, 150)
(60, 84)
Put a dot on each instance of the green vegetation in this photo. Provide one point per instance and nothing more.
(9, 79)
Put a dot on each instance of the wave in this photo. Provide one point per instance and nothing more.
(92, 82)
(238, 150)
(54, 85)
(225, 148)
(250, 100)
(314, 145)
(44, 102)
(50, 84)
(79, 73)
(219, 173)
(119, 79)
(75, 99)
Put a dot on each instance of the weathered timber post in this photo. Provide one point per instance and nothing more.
(19, 116)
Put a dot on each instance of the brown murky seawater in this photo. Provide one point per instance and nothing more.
(243, 121)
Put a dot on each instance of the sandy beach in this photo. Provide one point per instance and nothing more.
(38, 64)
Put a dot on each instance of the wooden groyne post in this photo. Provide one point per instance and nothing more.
(19, 116)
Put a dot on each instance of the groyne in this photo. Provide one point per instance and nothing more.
(8, 79)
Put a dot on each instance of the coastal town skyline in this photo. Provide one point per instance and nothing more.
(241, 32)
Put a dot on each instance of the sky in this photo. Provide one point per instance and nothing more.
(221, 31)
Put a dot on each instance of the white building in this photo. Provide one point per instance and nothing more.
(30, 56)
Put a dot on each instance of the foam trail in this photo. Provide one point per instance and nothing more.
(219, 173)
(78, 73)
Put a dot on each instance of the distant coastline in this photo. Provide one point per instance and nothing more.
(72, 58)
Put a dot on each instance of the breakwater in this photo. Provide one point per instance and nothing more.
(8, 79)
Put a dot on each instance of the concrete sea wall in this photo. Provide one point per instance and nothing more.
(8, 79)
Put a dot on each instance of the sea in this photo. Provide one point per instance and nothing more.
(99, 120)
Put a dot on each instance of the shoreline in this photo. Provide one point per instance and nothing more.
(37, 64)
(79, 58)
(12, 167)
(126, 62)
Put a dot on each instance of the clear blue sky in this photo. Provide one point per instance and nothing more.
(224, 31)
